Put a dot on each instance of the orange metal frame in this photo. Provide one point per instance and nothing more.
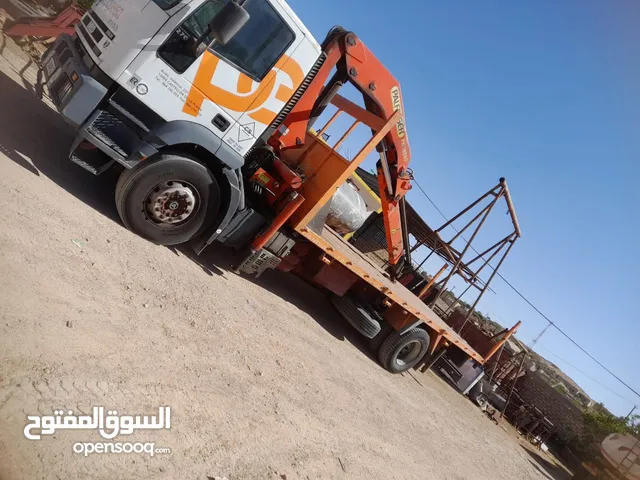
(325, 170)
(384, 114)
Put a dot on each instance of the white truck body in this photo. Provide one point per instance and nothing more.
(125, 41)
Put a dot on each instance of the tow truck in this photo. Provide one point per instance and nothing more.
(211, 108)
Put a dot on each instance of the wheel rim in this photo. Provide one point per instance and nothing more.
(172, 203)
(409, 352)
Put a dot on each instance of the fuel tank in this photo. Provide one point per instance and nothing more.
(347, 210)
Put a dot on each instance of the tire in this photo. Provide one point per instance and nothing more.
(135, 198)
(376, 342)
(400, 352)
(357, 316)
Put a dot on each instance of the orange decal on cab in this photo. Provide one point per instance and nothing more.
(242, 100)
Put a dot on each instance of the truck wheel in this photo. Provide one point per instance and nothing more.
(399, 353)
(356, 315)
(167, 199)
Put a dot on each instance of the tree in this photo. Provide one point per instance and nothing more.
(599, 423)
(562, 388)
(86, 4)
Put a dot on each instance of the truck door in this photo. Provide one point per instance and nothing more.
(234, 90)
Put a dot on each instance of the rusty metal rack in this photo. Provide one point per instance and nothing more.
(468, 263)
(463, 264)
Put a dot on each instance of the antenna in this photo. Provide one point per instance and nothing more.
(535, 340)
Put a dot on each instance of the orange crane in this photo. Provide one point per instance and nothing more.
(301, 172)
(356, 64)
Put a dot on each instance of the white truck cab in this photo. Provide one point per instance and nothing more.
(205, 77)
(208, 107)
(234, 90)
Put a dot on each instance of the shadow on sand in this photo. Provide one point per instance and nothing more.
(38, 139)
(549, 469)
(290, 288)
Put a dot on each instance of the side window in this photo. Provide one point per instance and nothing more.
(254, 50)
(259, 44)
(175, 51)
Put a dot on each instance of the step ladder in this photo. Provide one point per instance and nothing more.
(630, 460)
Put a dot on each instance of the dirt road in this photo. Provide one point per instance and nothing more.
(263, 379)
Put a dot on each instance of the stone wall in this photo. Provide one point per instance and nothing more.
(561, 411)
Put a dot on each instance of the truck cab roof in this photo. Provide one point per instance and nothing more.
(295, 19)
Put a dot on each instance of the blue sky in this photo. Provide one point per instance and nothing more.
(546, 94)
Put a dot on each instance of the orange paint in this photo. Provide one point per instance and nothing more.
(242, 100)
(263, 115)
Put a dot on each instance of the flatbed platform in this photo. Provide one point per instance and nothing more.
(340, 250)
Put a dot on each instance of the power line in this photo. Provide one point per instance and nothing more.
(567, 336)
(588, 376)
(434, 205)
(529, 303)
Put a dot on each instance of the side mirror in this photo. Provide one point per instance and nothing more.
(229, 20)
(196, 47)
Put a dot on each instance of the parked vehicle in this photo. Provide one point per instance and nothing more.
(210, 106)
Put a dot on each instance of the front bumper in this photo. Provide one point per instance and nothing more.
(72, 88)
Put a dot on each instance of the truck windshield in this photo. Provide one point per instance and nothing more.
(254, 50)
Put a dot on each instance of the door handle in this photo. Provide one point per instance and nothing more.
(220, 122)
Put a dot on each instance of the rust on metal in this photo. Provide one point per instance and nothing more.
(326, 259)
(397, 293)
(430, 283)
(502, 341)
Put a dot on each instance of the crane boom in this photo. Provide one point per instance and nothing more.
(356, 64)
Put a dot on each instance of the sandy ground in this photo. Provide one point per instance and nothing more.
(263, 378)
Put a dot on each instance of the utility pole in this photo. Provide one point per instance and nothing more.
(630, 413)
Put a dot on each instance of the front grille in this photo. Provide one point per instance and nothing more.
(61, 88)
(97, 35)
(88, 39)
(102, 25)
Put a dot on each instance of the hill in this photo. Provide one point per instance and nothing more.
(549, 370)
